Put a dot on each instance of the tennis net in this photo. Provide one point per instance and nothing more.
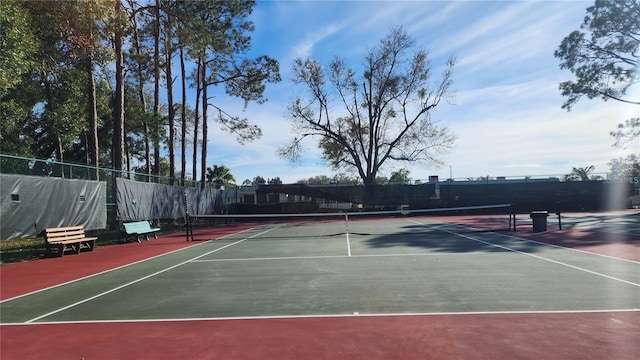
(499, 217)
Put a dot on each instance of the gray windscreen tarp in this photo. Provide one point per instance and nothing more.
(137, 201)
(29, 204)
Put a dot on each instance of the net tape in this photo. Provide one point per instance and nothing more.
(191, 219)
(355, 213)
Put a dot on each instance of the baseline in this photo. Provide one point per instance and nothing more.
(323, 316)
(592, 337)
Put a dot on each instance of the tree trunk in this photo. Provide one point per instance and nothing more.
(196, 124)
(118, 111)
(92, 144)
(205, 104)
(127, 150)
(171, 112)
(141, 95)
(183, 142)
(60, 150)
(156, 91)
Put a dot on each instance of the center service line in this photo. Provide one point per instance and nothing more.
(346, 224)
(146, 277)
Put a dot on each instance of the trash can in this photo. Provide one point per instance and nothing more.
(539, 220)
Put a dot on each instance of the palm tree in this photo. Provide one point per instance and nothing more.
(220, 175)
(582, 174)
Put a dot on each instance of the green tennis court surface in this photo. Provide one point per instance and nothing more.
(324, 267)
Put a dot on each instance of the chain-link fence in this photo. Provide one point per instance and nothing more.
(10, 164)
(529, 192)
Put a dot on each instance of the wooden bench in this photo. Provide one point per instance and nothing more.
(139, 228)
(68, 238)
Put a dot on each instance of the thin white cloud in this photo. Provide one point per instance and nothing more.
(523, 44)
(305, 47)
(481, 29)
(441, 16)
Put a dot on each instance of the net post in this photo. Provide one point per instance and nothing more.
(512, 215)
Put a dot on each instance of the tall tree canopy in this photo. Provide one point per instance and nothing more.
(386, 113)
(625, 169)
(603, 55)
(18, 42)
(62, 97)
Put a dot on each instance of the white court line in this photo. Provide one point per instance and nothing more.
(571, 249)
(145, 277)
(100, 273)
(346, 230)
(118, 268)
(274, 258)
(529, 254)
(321, 316)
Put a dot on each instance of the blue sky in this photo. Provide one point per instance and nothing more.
(507, 113)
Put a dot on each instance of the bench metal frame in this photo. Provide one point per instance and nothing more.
(139, 228)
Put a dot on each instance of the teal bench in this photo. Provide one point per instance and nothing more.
(139, 228)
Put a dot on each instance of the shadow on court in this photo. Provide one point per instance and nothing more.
(626, 222)
(209, 301)
(451, 240)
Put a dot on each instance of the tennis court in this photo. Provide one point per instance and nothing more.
(364, 287)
